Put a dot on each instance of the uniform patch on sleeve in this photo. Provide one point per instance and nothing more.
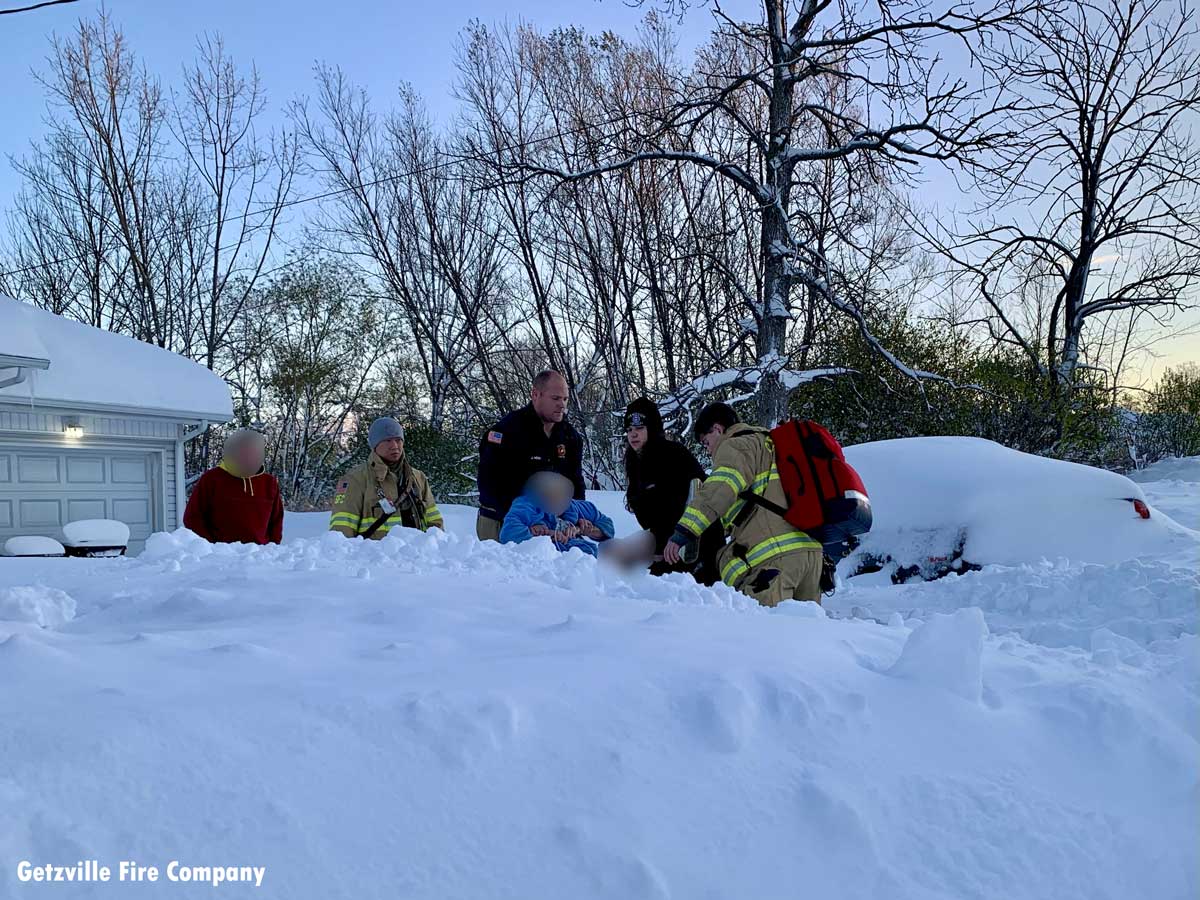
(495, 437)
(339, 491)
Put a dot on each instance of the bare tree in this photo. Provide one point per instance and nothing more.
(242, 186)
(882, 64)
(1093, 222)
(417, 231)
(145, 215)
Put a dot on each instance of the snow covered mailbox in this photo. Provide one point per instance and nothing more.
(93, 426)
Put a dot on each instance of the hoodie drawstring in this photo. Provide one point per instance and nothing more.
(247, 481)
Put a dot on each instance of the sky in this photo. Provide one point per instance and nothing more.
(378, 43)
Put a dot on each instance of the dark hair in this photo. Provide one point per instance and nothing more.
(651, 418)
(543, 378)
(714, 414)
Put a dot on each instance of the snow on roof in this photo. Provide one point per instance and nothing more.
(90, 367)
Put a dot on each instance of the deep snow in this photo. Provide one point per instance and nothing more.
(929, 493)
(431, 717)
(1076, 572)
(133, 373)
(1173, 486)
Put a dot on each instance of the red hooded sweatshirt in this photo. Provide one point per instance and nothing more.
(227, 509)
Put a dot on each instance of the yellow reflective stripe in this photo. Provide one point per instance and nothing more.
(348, 520)
(762, 479)
(733, 570)
(433, 514)
(730, 476)
(736, 568)
(777, 546)
(388, 523)
(725, 480)
(734, 512)
(695, 521)
(758, 486)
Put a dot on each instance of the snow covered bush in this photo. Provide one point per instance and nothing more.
(1168, 421)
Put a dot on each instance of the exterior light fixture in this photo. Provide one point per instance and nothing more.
(72, 428)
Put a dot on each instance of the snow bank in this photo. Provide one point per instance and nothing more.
(1012, 508)
(133, 373)
(1057, 604)
(39, 605)
(1172, 486)
(1175, 468)
(427, 716)
(946, 651)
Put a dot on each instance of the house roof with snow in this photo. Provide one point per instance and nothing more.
(70, 364)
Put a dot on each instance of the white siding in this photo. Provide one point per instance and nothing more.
(43, 422)
(22, 425)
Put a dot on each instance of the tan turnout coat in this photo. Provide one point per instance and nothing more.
(357, 503)
(761, 542)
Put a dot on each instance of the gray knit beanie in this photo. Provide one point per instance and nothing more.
(383, 428)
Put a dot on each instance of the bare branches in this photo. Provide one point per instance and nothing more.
(783, 110)
(1102, 188)
(145, 213)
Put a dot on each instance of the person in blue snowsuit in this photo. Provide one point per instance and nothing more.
(547, 508)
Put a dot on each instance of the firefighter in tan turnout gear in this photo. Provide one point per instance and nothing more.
(766, 558)
(384, 492)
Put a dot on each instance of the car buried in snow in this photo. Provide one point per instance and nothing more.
(947, 505)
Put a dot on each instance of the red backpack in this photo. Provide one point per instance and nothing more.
(826, 498)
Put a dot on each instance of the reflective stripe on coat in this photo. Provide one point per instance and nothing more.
(745, 460)
(356, 501)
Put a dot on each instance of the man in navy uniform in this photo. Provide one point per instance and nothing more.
(537, 437)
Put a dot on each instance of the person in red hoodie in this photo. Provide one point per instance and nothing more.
(237, 501)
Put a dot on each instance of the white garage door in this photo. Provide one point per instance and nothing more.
(41, 490)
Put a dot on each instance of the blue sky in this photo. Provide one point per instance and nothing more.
(378, 43)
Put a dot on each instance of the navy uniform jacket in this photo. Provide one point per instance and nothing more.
(516, 447)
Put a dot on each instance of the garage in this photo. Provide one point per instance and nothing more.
(80, 441)
(42, 491)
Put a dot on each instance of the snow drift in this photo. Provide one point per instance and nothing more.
(428, 717)
(1009, 508)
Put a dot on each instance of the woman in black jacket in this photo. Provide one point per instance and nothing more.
(659, 474)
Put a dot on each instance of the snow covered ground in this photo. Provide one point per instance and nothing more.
(431, 717)
(1173, 486)
(1063, 601)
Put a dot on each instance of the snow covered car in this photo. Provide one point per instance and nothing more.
(952, 504)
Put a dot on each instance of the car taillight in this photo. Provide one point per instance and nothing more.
(1140, 507)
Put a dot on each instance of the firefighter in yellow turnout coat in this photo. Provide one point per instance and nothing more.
(766, 558)
(385, 482)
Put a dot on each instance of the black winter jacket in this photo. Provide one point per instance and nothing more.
(516, 447)
(657, 492)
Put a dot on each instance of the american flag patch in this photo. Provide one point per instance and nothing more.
(495, 437)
